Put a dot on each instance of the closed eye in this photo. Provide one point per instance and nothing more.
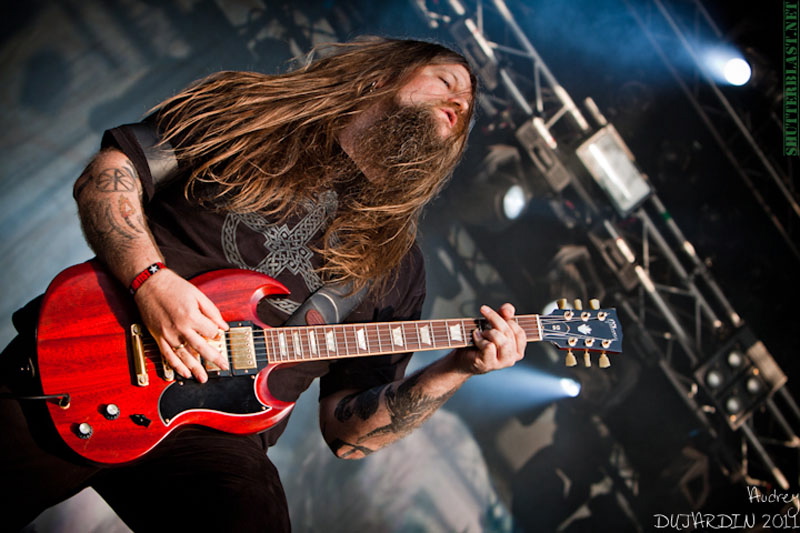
(444, 80)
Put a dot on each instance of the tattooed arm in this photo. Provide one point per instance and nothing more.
(356, 423)
(109, 196)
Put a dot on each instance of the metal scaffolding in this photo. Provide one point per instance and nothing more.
(681, 28)
(682, 320)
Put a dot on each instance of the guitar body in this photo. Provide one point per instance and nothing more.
(85, 350)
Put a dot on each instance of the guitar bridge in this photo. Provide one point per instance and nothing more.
(138, 356)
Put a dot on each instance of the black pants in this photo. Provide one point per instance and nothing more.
(197, 479)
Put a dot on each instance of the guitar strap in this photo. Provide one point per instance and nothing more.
(329, 305)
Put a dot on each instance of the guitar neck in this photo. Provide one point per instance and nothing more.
(309, 343)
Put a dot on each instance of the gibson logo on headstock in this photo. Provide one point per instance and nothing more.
(612, 325)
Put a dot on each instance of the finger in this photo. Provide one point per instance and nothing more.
(205, 327)
(486, 356)
(169, 351)
(188, 357)
(494, 319)
(507, 311)
(505, 348)
(210, 310)
(206, 350)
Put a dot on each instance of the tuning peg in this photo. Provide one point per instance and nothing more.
(587, 359)
(594, 304)
(571, 360)
(561, 303)
(604, 361)
(578, 304)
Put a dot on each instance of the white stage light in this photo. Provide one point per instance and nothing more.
(726, 65)
(737, 71)
(570, 387)
(514, 202)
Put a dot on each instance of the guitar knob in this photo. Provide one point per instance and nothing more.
(561, 303)
(604, 361)
(578, 304)
(111, 411)
(84, 430)
(571, 360)
(594, 304)
(587, 359)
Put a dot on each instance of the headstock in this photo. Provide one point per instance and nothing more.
(593, 330)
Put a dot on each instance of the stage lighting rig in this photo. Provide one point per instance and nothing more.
(740, 377)
(608, 159)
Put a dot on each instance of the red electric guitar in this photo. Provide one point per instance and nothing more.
(114, 398)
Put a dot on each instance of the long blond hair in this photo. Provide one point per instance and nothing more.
(268, 143)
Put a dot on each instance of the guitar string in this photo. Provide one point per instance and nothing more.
(344, 334)
(439, 328)
(370, 338)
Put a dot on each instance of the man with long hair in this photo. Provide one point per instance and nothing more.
(315, 176)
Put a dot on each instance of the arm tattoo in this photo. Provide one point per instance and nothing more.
(364, 404)
(109, 222)
(116, 180)
(128, 213)
(338, 444)
(408, 408)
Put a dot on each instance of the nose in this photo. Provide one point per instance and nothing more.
(461, 103)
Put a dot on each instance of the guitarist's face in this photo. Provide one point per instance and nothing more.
(443, 89)
(422, 131)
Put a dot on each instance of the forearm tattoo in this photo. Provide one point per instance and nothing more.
(408, 408)
(108, 214)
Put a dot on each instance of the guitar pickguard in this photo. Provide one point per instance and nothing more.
(232, 395)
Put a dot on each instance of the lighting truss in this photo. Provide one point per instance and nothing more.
(680, 314)
(674, 28)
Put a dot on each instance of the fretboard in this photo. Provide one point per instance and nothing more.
(309, 343)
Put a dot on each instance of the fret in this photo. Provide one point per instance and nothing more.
(268, 345)
(378, 333)
(346, 344)
(275, 347)
(416, 346)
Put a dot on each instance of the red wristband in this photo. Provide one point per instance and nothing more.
(144, 275)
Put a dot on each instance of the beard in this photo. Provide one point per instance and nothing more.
(402, 155)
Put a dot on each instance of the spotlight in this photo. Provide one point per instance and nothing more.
(733, 405)
(514, 202)
(740, 377)
(735, 359)
(714, 379)
(737, 71)
(728, 66)
(753, 385)
(498, 194)
(570, 387)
